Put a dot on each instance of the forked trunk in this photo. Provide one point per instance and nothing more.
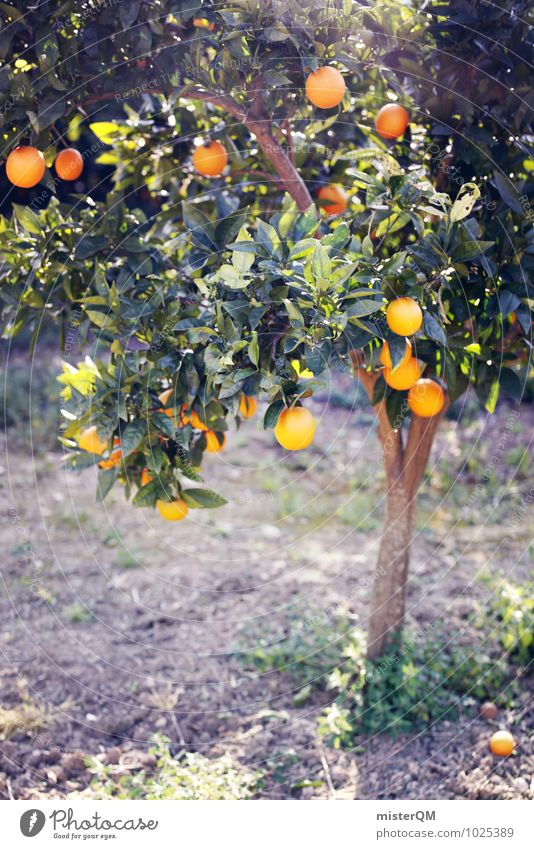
(404, 458)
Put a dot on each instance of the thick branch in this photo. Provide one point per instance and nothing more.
(418, 446)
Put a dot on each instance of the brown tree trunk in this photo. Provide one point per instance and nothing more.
(391, 573)
(404, 463)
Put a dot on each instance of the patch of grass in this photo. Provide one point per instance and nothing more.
(307, 652)
(359, 512)
(27, 717)
(76, 613)
(511, 613)
(125, 559)
(189, 776)
(29, 403)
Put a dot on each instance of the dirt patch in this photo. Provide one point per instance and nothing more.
(117, 625)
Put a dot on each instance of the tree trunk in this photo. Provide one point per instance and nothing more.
(389, 586)
(404, 461)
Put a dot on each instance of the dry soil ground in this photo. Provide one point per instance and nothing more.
(116, 625)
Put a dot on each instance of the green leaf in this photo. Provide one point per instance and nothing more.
(28, 219)
(164, 423)
(147, 495)
(433, 329)
(269, 239)
(491, 400)
(295, 315)
(202, 498)
(272, 414)
(105, 480)
(243, 260)
(364, 306)
(132, 436)
(253, 349)
(321, 265)
(511, 384)
(508, 192)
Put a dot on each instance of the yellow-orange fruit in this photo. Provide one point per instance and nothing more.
(295, 428)
(334, 199)
(426, 398)
(325, 87)
(89, 440)
(502, 744)
(385, 356)
(247, 406)
(69, 164)
(212, 441)
(404, 316)
(391, 121)
(25, 167)
(165, 407)
(203, 23)
(146, 477)
(404, 376)
(172, 511)
(115, 457)
(210, 159)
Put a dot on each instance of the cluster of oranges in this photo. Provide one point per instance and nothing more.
(426, 398)
(25, 166)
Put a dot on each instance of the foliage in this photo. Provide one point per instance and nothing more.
(511, 613)
(190, 776)
(187, 284)
(421, 681)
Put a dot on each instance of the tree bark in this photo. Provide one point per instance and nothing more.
(404, 466)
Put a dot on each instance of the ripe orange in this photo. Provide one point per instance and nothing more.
(247, 406)
(173, 511)
(334, 199)
(203, 23)
(385, 356)
(212, 441)
(404, 316)
(89, 440)
(391, 121)
(146, 477)
(25, 167)
(115, 457)
(502, 744)
(325, 88)
(165, 407)
(404, 376)
(426, 398)
(295, 428)
(210, 159)
(69, 164)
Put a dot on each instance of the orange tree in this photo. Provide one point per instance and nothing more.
(221, 196)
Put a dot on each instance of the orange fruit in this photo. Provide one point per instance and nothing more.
(197, 422)
(334, 199)
(173, 511)
(325, 87)
(25, 167)
(295, 428)
(247, 406)
(164, 398)
(404, 376)
(212, 441)
(210, 159)
(385, 356)
(502, 744)
(203, 23)
(404, 316)
(69, 164)
(391, 121)
(115, 457)
(146, 477)
(89, 440)
(426, 398)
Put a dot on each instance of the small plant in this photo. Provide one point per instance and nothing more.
(307, 652)
(419, 682)
(27, 717)
(511, 611)
(189, 776)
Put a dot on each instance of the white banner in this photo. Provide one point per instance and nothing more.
(257, 825)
